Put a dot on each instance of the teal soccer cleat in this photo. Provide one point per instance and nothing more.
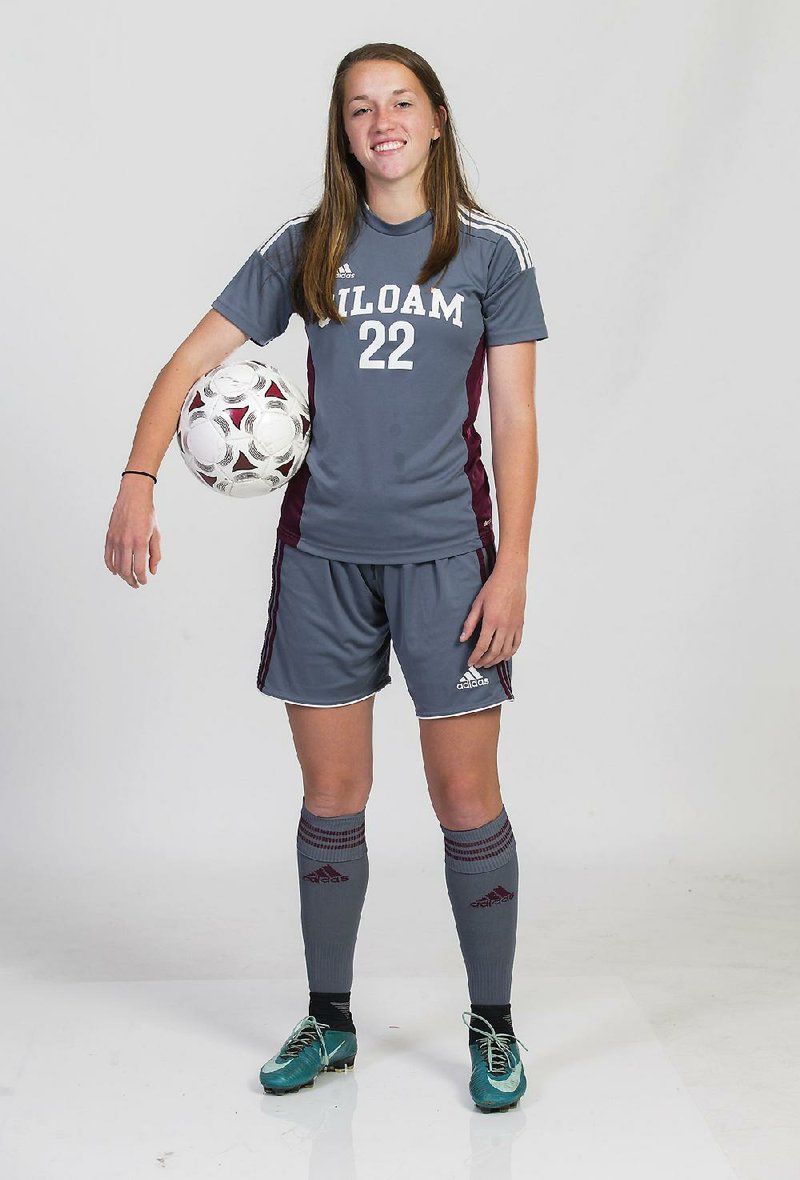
(498, 1078)
(311, 1048)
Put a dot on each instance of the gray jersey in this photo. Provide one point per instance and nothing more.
(393, 471)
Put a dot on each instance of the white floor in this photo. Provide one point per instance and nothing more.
(660, 1016)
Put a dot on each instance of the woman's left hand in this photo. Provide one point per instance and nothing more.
(500, 605)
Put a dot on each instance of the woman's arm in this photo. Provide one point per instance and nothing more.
(499, 605)
(133, 536)
(204, 348)
(511, 370)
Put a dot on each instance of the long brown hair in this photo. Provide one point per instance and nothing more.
(329, 227)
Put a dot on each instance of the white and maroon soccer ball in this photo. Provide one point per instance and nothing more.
(244, 429)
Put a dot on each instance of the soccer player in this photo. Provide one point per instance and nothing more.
(408, 290)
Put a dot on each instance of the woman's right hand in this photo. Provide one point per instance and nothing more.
(132, 533)
(133, 529)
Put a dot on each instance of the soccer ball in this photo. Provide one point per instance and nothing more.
(244, 429)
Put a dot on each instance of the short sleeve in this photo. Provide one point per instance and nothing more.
(512, 308)
(257, 300)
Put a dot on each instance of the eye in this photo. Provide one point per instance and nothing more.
(403, 102)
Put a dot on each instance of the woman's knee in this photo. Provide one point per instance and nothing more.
(334, 749)
(332, 799)
(460, 759)
(465, 806)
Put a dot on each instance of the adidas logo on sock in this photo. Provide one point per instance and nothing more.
(344, 272)
(327, 875)
(472, 678)
(494, 896)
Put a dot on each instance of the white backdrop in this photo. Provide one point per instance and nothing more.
(649, 763)
(645, 152)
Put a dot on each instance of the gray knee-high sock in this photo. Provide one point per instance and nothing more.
(482, 874)
(333, 867)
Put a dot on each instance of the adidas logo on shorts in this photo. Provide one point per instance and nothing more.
(344, 271)
(472, 678)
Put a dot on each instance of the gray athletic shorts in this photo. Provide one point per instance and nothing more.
(331, 625)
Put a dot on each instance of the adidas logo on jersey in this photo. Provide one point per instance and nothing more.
(472, 678)
(344, 272)
(327, 875)
(494, 896)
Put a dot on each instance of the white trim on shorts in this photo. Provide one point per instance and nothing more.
(335, 705)
(436, 716)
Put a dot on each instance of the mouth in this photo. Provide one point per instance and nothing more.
(389, 147)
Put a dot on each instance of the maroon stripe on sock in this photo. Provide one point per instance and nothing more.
(329, 841)
(359, 827)
(480, 849)
(472, 844)
(320, 838)
(455, 856)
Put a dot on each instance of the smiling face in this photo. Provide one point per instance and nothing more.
(386, 104)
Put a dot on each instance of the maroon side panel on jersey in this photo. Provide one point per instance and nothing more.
(476, 472)
(295, 494)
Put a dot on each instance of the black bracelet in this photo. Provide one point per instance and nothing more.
(141, 473)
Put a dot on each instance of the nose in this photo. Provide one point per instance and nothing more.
(384, 119)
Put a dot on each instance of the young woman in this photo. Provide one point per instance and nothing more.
(408, 289)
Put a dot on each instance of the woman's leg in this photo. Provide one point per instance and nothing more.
(334, 749)
(481, 869)
(460, 759)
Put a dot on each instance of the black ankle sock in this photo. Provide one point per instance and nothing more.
(332, 1008)
(498, 1015)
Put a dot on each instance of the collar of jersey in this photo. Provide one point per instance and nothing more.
(402, 227)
